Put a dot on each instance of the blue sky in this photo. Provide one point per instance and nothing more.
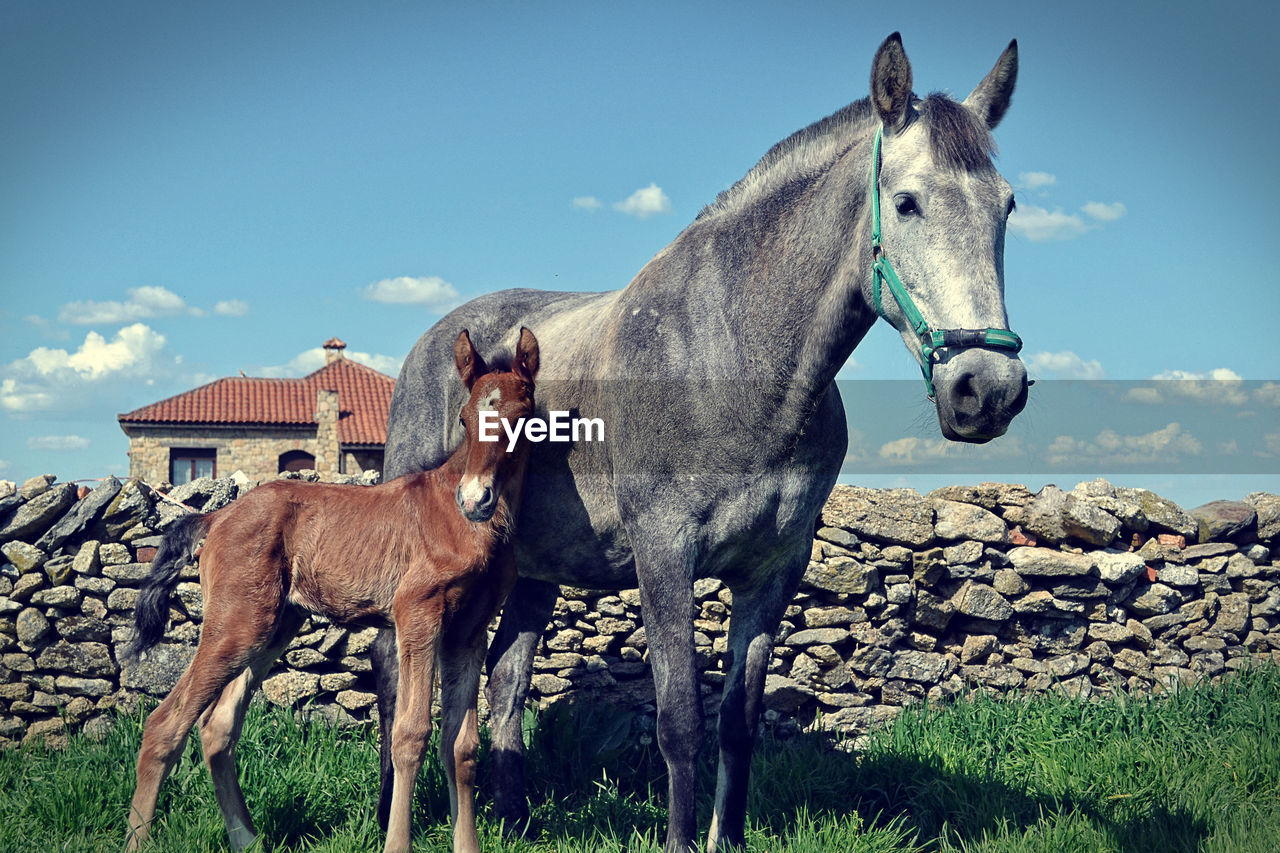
(187, 191)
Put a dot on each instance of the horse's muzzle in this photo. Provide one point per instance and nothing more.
(979, 392)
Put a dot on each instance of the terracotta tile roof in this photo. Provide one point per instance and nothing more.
(364, 399)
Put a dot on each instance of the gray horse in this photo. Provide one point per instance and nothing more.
(713, 372)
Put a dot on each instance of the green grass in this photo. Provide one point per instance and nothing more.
(1196, 771)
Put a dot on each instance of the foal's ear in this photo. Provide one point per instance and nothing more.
(991, 98)
(527, 357)
(891, 83)
(470, 365)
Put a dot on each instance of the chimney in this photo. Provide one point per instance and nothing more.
(333, 350)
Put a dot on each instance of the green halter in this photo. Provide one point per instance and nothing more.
(930, 340)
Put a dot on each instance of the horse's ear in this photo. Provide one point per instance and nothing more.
(991, 98)
(891, 83)
(527, 356)
(470, 365)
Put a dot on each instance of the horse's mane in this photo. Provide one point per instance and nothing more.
(958, 138)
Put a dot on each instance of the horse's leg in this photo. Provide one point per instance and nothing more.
(221, 654)
(461, 660)
(757, 610)
(220, 728)
(417, 638)
(386, 673)
(510, 666)
(666, 599)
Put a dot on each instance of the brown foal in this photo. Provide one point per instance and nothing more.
(429, 553)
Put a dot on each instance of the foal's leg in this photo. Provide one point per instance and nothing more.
(220, 728)
(460, 734)
(220, 655)
(417, 637)
(756, 614)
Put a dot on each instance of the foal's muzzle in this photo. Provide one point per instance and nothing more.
(479, 506)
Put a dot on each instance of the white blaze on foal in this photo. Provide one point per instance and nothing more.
(471, 489)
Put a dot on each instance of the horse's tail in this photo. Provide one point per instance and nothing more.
(151, 613)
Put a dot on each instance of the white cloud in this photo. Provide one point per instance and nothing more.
(387, 364)
(1063, 365)
(143, 303)
(1218, 374)
(431, 291)
(1146, 394)
(1104, 212)
(130, 352)
(311, 360)
(912, 450)
(57, 442)
(1038, 224)
(49, 378)
(1220, 386)
(1268, 394)
(1036, 180)
(1163, 446)
(645, 202)
(24, 396)
(1272, 443)
(231, 308)
(587, 202)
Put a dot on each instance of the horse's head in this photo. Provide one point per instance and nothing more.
(942, 213)
(499, 401)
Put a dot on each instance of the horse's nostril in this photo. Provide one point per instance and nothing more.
(964, 395)
(1020, 402)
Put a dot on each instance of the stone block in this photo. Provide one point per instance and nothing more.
(965, 521)
(1047, 562)
(898, 516)
(982, 602)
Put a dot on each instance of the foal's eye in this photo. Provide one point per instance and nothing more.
(906, 205)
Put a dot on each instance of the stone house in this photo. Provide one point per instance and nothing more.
(333, 420)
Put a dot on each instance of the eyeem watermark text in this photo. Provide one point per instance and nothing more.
(560, 427)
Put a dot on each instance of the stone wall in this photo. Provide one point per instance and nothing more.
(906, 598)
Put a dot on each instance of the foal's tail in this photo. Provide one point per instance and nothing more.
(151, 613)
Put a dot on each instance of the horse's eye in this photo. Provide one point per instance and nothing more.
(1013, 205)
(906, 205)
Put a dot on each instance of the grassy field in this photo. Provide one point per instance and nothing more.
(1196, 771)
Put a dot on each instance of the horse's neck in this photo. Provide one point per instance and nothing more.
(781, 321)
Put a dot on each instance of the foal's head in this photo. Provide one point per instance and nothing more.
(500, 399)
